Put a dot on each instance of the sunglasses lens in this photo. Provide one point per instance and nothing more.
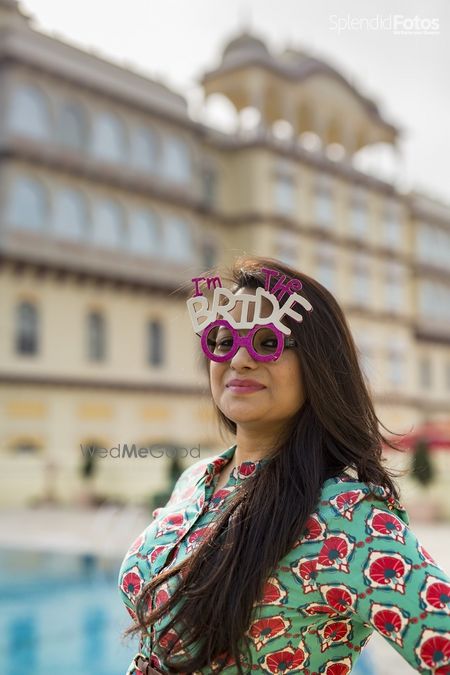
(219, 341)
(265, 341)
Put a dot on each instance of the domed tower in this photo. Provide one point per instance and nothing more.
(294, 86)
(12, 15)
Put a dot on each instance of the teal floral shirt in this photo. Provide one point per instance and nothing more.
(357, 568)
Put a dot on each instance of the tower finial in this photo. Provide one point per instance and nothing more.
(12, 14)
(245, 18)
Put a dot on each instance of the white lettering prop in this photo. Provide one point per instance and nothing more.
(202, 316)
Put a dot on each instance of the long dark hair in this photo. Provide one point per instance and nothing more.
(335, 430)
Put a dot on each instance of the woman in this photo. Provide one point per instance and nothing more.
(286, 551)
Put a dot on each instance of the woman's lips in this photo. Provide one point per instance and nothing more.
(244, 387)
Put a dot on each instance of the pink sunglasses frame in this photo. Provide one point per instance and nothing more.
(245, 341)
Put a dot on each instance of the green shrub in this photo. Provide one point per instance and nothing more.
(422, 469)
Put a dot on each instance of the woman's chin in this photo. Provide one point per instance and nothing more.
(242, 412)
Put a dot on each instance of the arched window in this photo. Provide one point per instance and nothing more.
(27, 204)
(144, 149)
(109, 138)
(176, 160)
(109, 224)
(70, 216)
(27, 329)
(155, 342)
(72, 126)
(145, 235)
(28, 113)
(96, 336)
(177, 239)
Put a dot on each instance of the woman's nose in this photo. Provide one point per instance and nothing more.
(242, 358)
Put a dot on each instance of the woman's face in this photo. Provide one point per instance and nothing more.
(281, 395)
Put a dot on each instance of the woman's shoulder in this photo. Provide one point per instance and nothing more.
(345, 496)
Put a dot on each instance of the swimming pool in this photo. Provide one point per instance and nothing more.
(61, 613)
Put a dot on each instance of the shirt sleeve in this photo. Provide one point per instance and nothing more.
(373, 567)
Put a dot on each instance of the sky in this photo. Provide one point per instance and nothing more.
(406, 73)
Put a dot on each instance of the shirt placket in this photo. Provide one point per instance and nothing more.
(171, 556)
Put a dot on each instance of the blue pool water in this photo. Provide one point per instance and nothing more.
(61, 613)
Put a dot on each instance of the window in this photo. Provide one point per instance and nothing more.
(72, 127)
(96, 336)
(324, 207)
(433, 245)
(366, 347)
(209, 254)
(285, 194)
(209, 182)
(443, 250)
(426, 298)
(394, 287)
(326, 274)
(28, 113)
(287, 247)
(424, 242)
(176, 160)
(392, 225)
(396, 367)
(358, 213)
(70, 217)
(27, 329)
(443, 302)
(326, 266)
(434, 301)
(177, 239)
(109, 139)
(144, 148)
(28, 204)
(425, 372)
(145, 235)
(155, 343)
(109, 224)
(361, 280)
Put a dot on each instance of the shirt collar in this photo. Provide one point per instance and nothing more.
(246, 468)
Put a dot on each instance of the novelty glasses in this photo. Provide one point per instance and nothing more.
(220, 342)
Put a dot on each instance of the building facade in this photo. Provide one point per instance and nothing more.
(112, 197)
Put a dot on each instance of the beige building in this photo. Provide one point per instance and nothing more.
(112, 197)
